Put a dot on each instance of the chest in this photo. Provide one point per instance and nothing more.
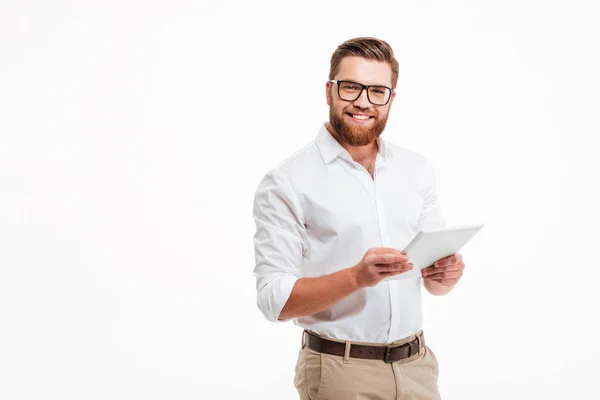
(348, 201)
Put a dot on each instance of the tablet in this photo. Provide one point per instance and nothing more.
(432, 245)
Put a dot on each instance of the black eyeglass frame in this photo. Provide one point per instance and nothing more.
(363, 87)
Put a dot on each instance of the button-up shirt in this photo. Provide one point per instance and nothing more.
(319, 211)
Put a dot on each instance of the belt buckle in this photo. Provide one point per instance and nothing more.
(386, 355)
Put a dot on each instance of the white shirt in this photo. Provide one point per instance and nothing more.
(318, 212)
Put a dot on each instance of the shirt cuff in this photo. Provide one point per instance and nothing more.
(273, 296)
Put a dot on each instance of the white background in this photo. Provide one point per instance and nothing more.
(134, 134)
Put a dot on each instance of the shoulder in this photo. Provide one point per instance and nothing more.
(306, 157)
(408, 158)
(301, 163)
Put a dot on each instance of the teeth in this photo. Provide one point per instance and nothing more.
(358, 116)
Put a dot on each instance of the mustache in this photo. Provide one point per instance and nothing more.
(366, 111)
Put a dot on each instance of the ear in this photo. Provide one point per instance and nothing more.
(328, 93)
(392, 97)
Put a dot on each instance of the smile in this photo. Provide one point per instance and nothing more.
(359, 118)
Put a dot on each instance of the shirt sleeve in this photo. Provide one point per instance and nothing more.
(431, 215)
(279, 243)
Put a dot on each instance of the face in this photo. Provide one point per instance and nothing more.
(359, 122)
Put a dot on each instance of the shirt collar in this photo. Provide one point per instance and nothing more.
(331, 149)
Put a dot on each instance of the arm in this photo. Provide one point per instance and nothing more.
(311, 295)
(279, 243)
(432, 218)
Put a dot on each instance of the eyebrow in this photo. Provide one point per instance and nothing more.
(355, 81)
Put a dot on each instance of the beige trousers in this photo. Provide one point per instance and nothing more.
(322, 376)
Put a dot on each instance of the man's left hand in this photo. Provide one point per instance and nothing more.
(446, 271)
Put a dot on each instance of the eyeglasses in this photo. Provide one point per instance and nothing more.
(350, 91)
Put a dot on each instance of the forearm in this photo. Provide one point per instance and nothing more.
(436, 288)
(311, 295)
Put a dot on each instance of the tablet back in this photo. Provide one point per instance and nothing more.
(432, 245)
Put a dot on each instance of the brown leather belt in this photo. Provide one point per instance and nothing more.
(385, 353)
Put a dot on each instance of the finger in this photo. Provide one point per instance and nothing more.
(437, 270)
(389, 258)
(444, 275)
(395, 272)
(386, 268)
(450, 260)
(447, 282)
(445, 261)
(385, 250)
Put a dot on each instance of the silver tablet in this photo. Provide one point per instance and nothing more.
(432, 245)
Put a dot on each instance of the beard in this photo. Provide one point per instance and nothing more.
(354, 134)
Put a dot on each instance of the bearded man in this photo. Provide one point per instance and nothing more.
(330, 221)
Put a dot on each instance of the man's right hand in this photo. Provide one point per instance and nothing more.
(380, 263)
(312, 295)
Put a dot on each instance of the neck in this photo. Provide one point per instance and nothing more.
(360, 154)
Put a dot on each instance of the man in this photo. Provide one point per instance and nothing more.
(329, 223)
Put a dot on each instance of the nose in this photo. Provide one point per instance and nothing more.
(363, 100)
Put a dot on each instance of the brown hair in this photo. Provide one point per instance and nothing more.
(365, 47)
